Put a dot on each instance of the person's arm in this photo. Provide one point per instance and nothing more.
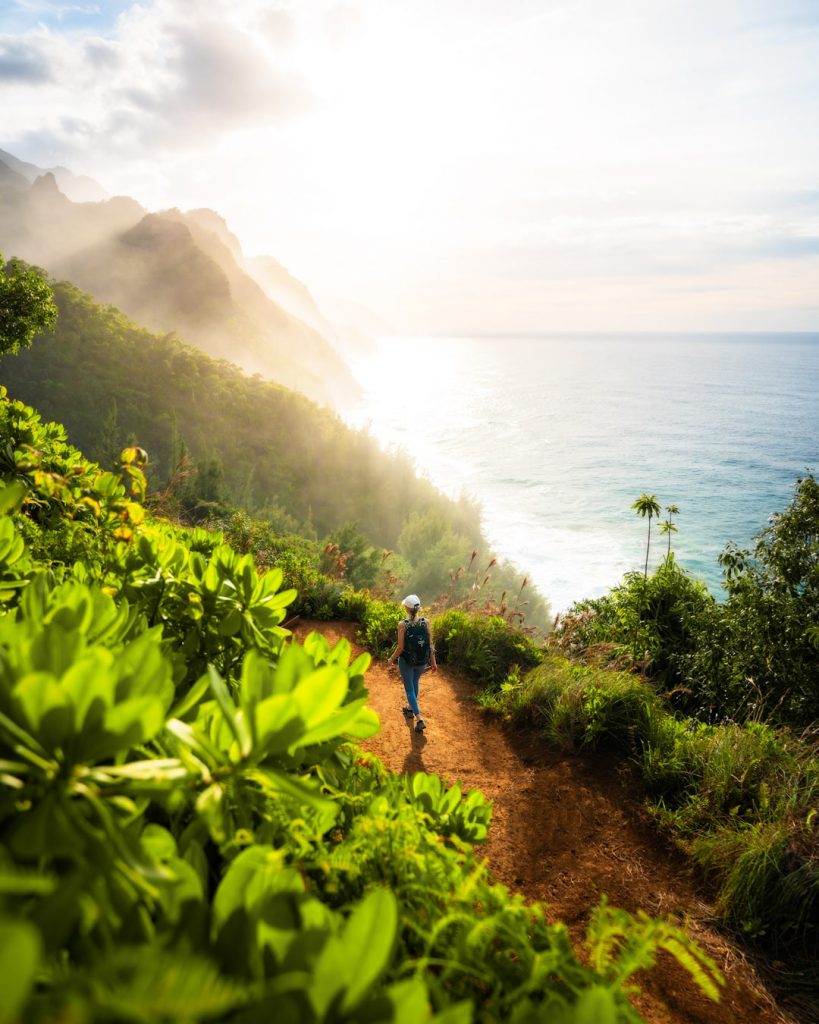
(433, 664)
(399, 647)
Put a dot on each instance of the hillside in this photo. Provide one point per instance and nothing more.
(565, 830)
(189, 830)
(180, 769)
(172, 272)
(110, 381)
(78, 187)
(348, 337)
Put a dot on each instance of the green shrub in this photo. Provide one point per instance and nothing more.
(379, 620)
(187, 831)
(487, 648)
(753, 657)
(739, 799)
(576, 705)
(651, 621)
(768, 660)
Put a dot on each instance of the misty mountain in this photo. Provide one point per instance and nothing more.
(78, 187)
(271, 450)
(41, 225)
(173, 272)
(280, 285)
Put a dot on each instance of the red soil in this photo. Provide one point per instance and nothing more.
(565, 830)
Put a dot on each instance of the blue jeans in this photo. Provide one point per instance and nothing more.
(411, 677)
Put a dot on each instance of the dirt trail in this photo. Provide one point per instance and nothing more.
(564, 831)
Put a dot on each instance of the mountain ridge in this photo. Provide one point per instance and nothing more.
(80, 188)
(192, 280)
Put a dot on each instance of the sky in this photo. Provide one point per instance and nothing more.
(457, 166)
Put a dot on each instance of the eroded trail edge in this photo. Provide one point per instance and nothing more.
(564, 832)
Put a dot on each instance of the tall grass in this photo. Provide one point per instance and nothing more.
(578, 706)
(741, 800)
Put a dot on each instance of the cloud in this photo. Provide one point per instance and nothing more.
(20, 62)
(278, 26)
(490, 144)
(101, 54)
(225, 76)
(341, 20)
(160, 79)
(790, 247)
(213, 79)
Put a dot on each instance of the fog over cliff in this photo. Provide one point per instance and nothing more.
(180, 272)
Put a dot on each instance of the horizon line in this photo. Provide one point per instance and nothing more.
(575, 332)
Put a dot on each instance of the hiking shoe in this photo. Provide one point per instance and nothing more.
(420, 725)
(407, 712)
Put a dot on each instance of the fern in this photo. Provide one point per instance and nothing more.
(153, 985)
(620, 944)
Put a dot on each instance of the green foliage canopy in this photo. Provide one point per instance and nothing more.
(233, 442)
(187, 833)
(112, 383)
(26, 306)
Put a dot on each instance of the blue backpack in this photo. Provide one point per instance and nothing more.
(416, 642)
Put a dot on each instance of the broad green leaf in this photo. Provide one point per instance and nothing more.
(330, 975)
(20, 951)
(39, 696)
(238, 727)
(366, 723)
(256, 682)
(135, 721)
(159, 842)
(191, 698)
(11, 496)
(460, 1013)
(294, 663)
(230, 623)
(277, 784)
(255, 872)
(361, 664)
(277, 724)
(353, 719)
(272, 579)
(369, 941)
(321, 693)
(55, 648)
(194, 739)
(143, 668)
(89, 684)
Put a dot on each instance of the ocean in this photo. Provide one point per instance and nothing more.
(555, 436)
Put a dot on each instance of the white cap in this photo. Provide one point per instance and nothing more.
(411, 601)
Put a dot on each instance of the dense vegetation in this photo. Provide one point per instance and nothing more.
(188, 829)
(753, 656)
(189, 833)
(221, 442)
(739, 799)
(26, 306)
(715, 706)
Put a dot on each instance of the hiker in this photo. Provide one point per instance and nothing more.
(415, 653)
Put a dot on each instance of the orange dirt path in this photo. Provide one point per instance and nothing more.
(564, 831)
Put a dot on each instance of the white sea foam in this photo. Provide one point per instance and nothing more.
(556, 436)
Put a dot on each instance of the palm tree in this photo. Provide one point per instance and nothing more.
(668, 526)
(647, 505)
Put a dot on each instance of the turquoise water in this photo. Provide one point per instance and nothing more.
(556, 436)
